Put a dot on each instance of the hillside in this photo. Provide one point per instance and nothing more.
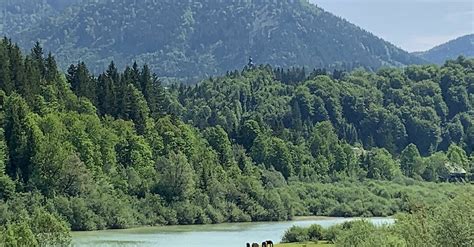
(86, 152)
(462, 46)
(198, 38)
(17, 16)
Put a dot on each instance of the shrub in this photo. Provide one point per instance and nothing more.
(315, 232)
(214, 215)
(296, 234)
(355, 233)
(332, 232)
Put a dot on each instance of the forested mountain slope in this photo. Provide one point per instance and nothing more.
(17, 16)
(85, 152)
(183, 38)
(462, 46)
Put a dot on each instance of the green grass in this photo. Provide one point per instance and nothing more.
(308, 244)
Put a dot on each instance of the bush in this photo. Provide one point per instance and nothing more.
(214, 215)
(49, 229)
(18, 234)
(296, 234)
(237, 215)
(315, 232)
(40, 229)
(186, 213)
(458, 217)
(7, 187)
(355, 233)
(332, 232)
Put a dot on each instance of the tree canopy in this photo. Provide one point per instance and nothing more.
(83, 152)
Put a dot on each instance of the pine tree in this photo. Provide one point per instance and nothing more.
(135, 76)
(138, 111)
(6, 83)
(37, 56)
(123, 95)
(113, 77)
(51, 73)
(17, 71)
(31, 86)
(18, 138)
(106, 95)
(153, 92)
(82, 82)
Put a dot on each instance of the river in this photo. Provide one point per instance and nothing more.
(232, 234)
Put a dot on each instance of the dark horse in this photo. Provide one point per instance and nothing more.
(255, 245)
(264, 244)
(248, 245)
(269, 243)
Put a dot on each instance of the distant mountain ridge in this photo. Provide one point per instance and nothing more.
(182, 38)
(450, 50)
(19, 15)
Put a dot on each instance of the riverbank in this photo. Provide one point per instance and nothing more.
(307, 244)
(236, 234)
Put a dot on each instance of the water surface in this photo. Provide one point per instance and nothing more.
(232, 234)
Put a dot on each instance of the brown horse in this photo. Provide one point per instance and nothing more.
(255, 245)
(269, 243)
(248, 245)
(264, 244)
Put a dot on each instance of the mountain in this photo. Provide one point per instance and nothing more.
(452, 49)
(182, 38)
(20, 15)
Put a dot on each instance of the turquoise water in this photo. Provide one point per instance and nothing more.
(232, 234)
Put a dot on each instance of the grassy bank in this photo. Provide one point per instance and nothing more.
(306, 244)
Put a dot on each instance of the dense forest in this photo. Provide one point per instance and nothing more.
(83, 152)
(174, 39)
(17, 16)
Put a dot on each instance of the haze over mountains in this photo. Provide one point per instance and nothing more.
(450, 50)
(174, 37)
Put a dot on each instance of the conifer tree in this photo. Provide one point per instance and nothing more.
(6, 83)
(18, 138)
(37, 55)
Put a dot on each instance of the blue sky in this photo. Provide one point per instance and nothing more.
(414, 25)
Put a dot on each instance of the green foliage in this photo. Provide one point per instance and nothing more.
(295, 234)
(380, 165)
(177, 178)
(49, 230)
(362, 233)
(316, 232)
(458, 156)
(243, 147)
(454, 222)
(37, 228)
(411, 162)
(450, 224)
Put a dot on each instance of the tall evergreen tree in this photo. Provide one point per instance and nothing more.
(82, 82)
(6, 83)
(18, 138)
(38, 57)
(153, 91)
(106, 95)
(52, 74)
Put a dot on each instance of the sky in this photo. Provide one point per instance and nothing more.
(413, 25)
